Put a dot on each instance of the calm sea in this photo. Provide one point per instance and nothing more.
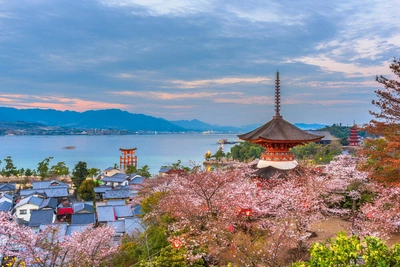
(103, 151)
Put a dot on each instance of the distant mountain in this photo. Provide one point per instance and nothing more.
(199, 126)
(103, 119)
(311, 126)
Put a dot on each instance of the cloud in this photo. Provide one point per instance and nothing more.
(55, 102)
(246, 100)
(178, 107)
(171, 96)
(220, 81)
(162, 7)
(350, 69)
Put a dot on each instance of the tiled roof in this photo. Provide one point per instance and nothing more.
(5, 206)
(81, 207)
(105, 213)
(114, 202)
(119, 226)
(57, 191)
(109, 169)
(76, 228)
(113, 194)
(83, 218)
(102, 189)
(137, 209)
(61, 229)
(49, 203)
(48, 184)
(7, 187)
(278, 129)
(31, 200)
(116, 178)
(133, 225)
(123, 211)
(327, 135)
(137, 180)
(39, 217)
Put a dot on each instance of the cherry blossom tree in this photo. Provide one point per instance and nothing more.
(51, 247)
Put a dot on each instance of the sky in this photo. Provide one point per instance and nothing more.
(215, 60)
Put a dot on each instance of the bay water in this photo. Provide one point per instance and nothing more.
(102, 151)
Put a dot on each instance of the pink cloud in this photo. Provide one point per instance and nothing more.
(55, 102)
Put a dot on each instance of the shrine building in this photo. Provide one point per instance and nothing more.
(277, 137)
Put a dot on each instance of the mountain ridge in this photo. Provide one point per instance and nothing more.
(121, 120)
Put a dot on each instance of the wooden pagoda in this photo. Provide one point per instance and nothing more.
(354, 138)
(277, 136)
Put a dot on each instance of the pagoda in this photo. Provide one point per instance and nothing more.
(277, 137)
(127, 158)
(354, 138)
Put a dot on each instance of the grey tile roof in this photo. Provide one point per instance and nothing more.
(32, 200)
(83, 208)
(105, 213)
(116, 178)
(48, 184)
(137, 180)
(61, 229)
(133, 225)
(119, 226)
(115, 202)
(123, 211)
(109, 169)
(8, 196)
(39, 217)
(113, 194)
(83, 218)
(102, 189)
(49, 203)
(5, 206)
(327, 135)
(7, 187)
(76, 228)
(50, 192)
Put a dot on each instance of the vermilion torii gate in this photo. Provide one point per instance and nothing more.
(127, 158)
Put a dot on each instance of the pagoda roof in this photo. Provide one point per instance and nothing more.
(280, 131)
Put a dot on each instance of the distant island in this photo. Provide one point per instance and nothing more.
(105, 122)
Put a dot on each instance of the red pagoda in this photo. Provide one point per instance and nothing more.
(354, 138)
(277, 136)
(127, 158)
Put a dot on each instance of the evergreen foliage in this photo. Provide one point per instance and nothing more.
(86, 190)
(43, 168)
(79, 173)
(246, 151)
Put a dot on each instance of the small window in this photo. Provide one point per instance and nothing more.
(22, 212)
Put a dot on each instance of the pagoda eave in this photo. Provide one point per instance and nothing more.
(292, 142)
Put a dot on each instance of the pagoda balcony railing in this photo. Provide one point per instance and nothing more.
(277, 156)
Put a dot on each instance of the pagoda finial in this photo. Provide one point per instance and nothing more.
(277, 97)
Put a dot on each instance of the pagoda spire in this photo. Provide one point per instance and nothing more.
(277, 97)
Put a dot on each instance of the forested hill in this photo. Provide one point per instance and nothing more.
(103, 119)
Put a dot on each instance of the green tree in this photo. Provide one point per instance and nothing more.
(350, 251)
(86, 190)
(144, 171)
(28, 172)
(93, 172)
(130, 169)
(9, 169)
(79, 174)
(43, 168)
(245, 151)
(219, 154)
(59, 169)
